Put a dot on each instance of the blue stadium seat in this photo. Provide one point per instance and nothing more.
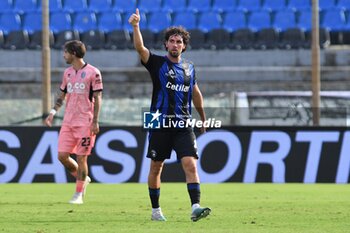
(54, 5)
(305, 20)
(109, 21)
(274, 5)
(326, 4)
(174, 5)
(224, 5)
(75, 5)
(249, 5)
(32, 22)
(346, 32)
(343, 4)
(10, 21)
(347, 23)
(159, 21)
(143, 22)
(149, 5)
(299, 4)
(333, 20)
(199, 5)
(100, 5)
(6, 6)
(234, 20)
(259, 20)
(124, 6)
(84, 21)
(60, 21)
(187, 19)
(284, 20)
(208, 21)
(23, 6)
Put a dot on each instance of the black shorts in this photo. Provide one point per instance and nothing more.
(163, 141)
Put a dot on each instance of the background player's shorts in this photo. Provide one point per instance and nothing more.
(76, 140)
(162, 141)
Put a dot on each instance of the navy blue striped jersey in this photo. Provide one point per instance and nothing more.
(172, 86)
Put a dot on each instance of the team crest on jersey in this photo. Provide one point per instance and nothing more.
(83, 74)
(171, 73)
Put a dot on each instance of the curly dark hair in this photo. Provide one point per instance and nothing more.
(75, 47)
(177, 30)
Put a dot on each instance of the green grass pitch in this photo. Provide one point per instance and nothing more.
(236, 207)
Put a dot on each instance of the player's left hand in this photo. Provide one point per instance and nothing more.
(203, 130)
(48, 120)
(95, 128)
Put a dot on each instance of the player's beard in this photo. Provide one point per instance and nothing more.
(68, 61)
(174, 53)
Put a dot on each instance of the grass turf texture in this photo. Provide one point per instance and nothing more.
(126, 208)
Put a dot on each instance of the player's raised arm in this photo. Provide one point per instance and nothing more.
(134, 20)
(58, 104)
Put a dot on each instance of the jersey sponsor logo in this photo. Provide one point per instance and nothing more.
(177, 87)
(76, 87)
(171, 73)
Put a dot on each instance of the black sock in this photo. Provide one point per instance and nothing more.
(154, 195)
(195, 192)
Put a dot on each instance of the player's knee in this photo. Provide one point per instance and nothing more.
(190, 169)
(81, 159)
(63, 157)
(155, 170)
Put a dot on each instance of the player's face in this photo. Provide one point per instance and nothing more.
(175, 45)
(68, 57)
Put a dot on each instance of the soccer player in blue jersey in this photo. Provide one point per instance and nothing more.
(174, 87)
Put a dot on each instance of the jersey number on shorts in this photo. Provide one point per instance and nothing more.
(85, 141)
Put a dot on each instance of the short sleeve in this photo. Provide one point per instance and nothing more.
(63, 86)
(153, 65)
(97, 81)
(150, 63)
